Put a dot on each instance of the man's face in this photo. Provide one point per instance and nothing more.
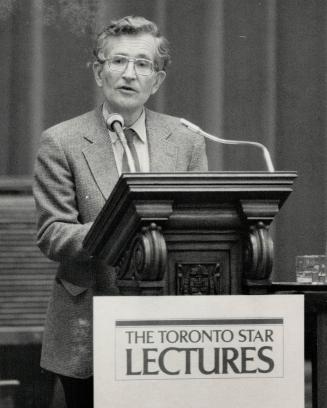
(126, 91)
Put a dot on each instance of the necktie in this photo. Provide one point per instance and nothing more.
(130, 136)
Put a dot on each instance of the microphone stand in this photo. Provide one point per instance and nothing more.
(120, 133)
(115, 123)
(263, 148)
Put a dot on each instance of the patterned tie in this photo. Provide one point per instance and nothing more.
(130, 135)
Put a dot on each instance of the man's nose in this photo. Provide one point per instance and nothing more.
(129, 70)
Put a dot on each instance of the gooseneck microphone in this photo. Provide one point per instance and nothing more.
(263, 148)
(115, 123)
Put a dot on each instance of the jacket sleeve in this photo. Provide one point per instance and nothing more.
(60, 232)
(199, 160)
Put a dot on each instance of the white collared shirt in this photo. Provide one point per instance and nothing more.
(140, 142)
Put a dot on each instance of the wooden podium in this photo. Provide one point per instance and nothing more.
(189, 233)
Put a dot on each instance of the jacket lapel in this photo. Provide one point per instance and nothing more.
(100, 156)
(162, 152)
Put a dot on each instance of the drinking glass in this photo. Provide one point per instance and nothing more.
(311, 269)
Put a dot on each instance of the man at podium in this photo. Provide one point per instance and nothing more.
(78, 164)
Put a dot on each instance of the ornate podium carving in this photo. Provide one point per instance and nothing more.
(189, 233)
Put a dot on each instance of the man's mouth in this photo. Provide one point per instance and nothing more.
(126, 88)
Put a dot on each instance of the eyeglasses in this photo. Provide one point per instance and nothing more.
(119, 63)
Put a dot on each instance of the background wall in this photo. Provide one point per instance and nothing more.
(242, 69)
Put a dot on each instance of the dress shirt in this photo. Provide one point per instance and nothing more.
(140, 142)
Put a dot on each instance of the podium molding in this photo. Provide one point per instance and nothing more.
(189, 233)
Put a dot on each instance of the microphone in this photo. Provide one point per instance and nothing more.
(263, 148)
(115, 123)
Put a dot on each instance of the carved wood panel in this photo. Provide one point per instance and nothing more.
(198, 279)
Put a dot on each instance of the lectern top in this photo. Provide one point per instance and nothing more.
(146, 197)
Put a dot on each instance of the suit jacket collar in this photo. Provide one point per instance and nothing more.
(99, 153)
(162, 152)
(100, 156)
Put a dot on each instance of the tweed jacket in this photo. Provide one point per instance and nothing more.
(75, 173)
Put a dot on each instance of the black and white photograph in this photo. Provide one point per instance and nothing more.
(163, 203)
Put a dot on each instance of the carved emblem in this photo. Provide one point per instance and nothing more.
(198, 279)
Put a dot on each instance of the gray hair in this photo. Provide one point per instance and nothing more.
(133, 25)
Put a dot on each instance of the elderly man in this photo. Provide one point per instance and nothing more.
(78, 164)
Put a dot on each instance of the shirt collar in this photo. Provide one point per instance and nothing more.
(138, 126)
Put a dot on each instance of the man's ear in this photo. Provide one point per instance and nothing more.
(97, 70)
(160, 77)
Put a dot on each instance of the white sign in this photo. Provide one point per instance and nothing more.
(155, 351)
